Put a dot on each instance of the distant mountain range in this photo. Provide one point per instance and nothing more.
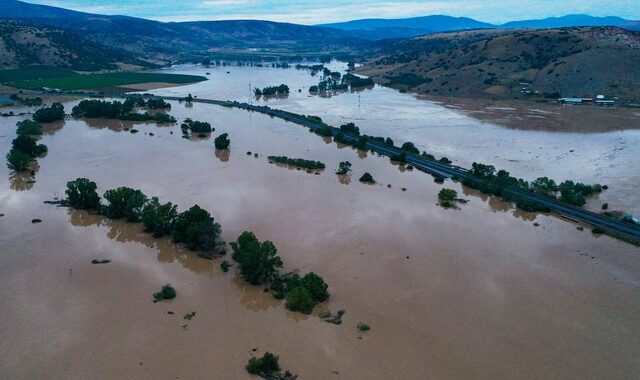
(39, 34)
(160, 42)
(410, 27)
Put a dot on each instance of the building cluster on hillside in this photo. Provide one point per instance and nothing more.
(599, 100)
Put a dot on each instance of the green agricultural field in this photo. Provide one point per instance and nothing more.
(34, 72)
(95, 81)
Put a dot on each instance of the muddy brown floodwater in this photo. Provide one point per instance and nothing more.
(530, 140)
(477, 292)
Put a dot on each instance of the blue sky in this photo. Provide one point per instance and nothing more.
(313, 11)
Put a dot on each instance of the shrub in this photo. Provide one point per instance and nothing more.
(447, 197)
(124, 202)
(49, 114)
(157, 218)
(316, 287)
(222, 141)
(367, 178)
(81, 194)
(299, 299)
(17, 160)
(29, 128)
(167, 293)
(258, 261)
(343, 168)
(224, 266)
(363, 327)
(197, 229)
(265, 367)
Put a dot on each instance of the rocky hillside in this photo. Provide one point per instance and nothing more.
(581, 61)
(23, 44)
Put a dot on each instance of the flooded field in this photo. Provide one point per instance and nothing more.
(478, 291)
(508, 136)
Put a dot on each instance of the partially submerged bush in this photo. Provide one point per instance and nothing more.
(222, 141)
(316, 287)
(367, 178)
(363, 327)
(124, 202)
(344, 167)
(167, 293)
(157, 217)
(299, 299)
(265, 367)
(447, 197)
(81, 194)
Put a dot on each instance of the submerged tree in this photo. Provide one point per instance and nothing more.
(157, 218)
(197, 229)
(17, 160)
(81, 194)
(258, 261)
(124, 202)
(49, 114)
(343, 168)
(222, 142)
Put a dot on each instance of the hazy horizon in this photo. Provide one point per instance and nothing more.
(308, 12)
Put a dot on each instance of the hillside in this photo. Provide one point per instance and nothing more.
(22, 44)
(167, 42)
(376, 29)
(496, 63)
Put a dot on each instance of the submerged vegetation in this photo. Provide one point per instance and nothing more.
(166, 293)
(297, 162)
(222, 142)
(259, 261)
(49, 114)
(195, 227)
(196, 126)
(367, 178)
(123, 110)
(25, 148)
(282, 89)
(268, 367)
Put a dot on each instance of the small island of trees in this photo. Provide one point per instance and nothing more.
(196, 126)
(260, 264)
(297, 162)
(49, 114)
(123, 110)
(282, 89)
(195, 227)
(24, 148)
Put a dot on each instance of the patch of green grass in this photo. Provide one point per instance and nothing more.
(34, 72)
(95, 81)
